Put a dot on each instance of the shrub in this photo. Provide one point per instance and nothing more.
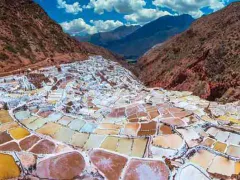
(10, 49)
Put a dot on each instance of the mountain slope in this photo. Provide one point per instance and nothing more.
(29, 37)
(204, 59)
(137, 43)
(103, 38)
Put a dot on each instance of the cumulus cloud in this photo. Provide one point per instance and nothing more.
(74, 8)
(144, 16)
(192, 7)
(80, 27)
(104, 26)
(120, 6)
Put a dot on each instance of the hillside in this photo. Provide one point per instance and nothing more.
(204, 59)
(149, 35)
(103, 38)
(29, 38)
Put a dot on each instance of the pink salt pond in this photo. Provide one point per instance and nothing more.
(63, 166)
(146, 169)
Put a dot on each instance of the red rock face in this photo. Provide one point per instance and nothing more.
(145, 169)
(32, 40)
(204, 59)
(109, 164)
(64, 166)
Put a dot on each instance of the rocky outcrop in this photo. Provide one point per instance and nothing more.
(29, 38)
(205, 59)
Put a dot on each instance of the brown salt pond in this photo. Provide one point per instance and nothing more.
(164, 129)
(63, 166)
(110, 165)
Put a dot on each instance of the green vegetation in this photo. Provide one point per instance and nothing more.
(10, 48)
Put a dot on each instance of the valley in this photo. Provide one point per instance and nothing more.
(164, 105)
(99, 114)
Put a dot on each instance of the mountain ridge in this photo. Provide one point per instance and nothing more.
(30, 38)
(204, 59)
(149, 35)
(103, 38)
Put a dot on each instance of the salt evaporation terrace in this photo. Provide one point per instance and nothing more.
(95, 120)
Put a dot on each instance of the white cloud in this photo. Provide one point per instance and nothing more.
(74, 8)
(80, 27)
(104, 26)
(192, 7)
(120, 6)
(144, 16)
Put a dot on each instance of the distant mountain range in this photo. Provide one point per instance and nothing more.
(133, 41)
(205, 59)
(103, 38)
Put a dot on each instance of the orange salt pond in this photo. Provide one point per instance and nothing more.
(19, 133)
(107, 131)
(233, 151)
(8, 167)
(110, 143)
(173, 122)
(222, 166)
(7, 126)
(49, 129)
(219, 146)
(172, 141)
(208, 142)
(5, 117)
(131, 129)
(139, 147)
(79, 139)
(164, 129)
(124, 146)
(202, 158)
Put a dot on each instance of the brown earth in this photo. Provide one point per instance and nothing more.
(205, 59)
(30, 39)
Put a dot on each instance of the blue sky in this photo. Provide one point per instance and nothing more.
(81, 17)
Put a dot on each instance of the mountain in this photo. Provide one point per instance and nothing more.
(103, 38)
(141, 40)
(29, 38)
(205, 59)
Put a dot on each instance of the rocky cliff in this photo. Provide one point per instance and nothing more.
(29, 38)
(204, 59)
